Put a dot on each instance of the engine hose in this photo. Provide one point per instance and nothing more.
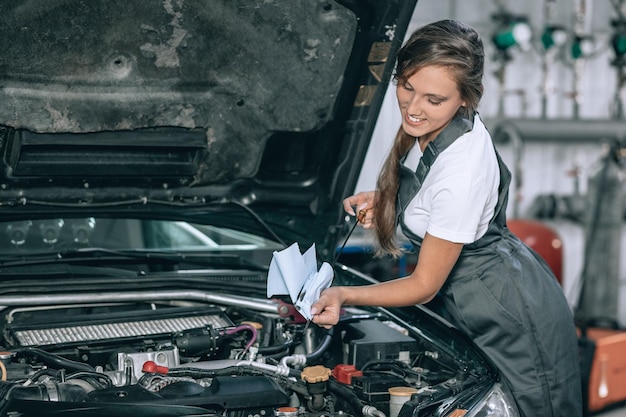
(293, 361)
(274, 350)
(346, 393)
(6, 395)
(271, 350)
(38, 375)
(371, 411)
(5, 387)
(103, 380)
(198, 373)
(317, 353)
(268, 323)
(271, 369)
(242, 368)
(55, 361)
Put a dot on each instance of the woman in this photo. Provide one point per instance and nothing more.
(445, 185)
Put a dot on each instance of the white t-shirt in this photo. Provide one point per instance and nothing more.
(459, 195)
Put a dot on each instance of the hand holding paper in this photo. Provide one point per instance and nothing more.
(296, 274)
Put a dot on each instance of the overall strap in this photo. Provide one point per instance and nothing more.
(457, 127)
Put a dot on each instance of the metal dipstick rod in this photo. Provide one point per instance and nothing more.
(359, 219)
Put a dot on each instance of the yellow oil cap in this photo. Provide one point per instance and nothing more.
(317, 373)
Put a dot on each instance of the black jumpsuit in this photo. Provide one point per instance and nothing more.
(504, 296)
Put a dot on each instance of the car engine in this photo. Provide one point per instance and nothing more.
(190, 358)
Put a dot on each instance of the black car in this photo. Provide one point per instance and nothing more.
(155, 157)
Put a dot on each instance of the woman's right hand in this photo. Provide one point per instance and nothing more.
(364, 203)
(327, 310)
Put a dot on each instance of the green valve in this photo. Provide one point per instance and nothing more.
(504, 40)
(547, 40)
(553, 36)
(619, 43)
(577, 51)
(514, 33)
(582, 46)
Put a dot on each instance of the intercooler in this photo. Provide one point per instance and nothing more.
(32, 329)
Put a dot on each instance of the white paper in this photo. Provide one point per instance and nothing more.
(296, 274)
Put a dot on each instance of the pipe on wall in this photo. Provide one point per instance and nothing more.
(566, 131)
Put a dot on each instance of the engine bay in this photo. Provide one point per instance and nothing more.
(190, 358)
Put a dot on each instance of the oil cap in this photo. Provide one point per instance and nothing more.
(317, 373)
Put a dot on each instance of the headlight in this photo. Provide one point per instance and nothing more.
(497, 403)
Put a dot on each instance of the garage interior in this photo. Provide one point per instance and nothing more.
(554, 103)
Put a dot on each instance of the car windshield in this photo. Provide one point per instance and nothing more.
(61, 234)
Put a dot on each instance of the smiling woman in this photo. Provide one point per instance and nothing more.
(428, 100)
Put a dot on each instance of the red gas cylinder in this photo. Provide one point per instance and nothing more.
(543, 239)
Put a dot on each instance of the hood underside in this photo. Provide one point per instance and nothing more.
(261, 102)
(236, 69)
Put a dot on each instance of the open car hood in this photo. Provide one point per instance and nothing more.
(267, 104)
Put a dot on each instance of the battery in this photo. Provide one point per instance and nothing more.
(372, 340)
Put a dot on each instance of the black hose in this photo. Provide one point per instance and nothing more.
(96, 377)
(5, 387)
(198, 373)
(266, 334)
(41, 372)
(55, 361)
(346, 393)
(317, 353)
(269, 350)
